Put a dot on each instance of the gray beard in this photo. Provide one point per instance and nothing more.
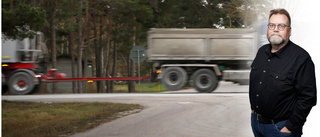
(276, 40)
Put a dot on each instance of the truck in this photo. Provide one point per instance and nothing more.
(202, 57)
(21, 71)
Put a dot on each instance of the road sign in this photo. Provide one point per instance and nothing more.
(138, 54)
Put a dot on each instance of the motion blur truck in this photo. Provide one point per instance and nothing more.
(201, 56)
(24, 66)
(20, 63)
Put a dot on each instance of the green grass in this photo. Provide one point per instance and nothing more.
(144, 87)
(32, 119)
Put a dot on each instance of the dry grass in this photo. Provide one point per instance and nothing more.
(32, 119)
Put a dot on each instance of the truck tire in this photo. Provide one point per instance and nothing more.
(21, 83)
(174, 78)
(205, 80)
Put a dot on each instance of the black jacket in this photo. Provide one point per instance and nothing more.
(283, 84)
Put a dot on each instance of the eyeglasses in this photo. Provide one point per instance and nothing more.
(281, 27)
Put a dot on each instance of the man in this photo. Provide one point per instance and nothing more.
(282, 87)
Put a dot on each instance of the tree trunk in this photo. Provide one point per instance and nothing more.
(107, 58)
(114, 67)
(11, 5)
(53, 41)
(86, 47)
(131, 85)
(73, 74)
(102, 86)
(97, 52)
(71, 52)
(80, 46)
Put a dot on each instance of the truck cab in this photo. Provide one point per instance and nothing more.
(20, 63)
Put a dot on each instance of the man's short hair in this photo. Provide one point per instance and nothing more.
(280, 11)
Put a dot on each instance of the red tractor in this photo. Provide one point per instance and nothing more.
(20, 64)
(21, 71)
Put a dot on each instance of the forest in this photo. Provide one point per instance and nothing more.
(104, 31)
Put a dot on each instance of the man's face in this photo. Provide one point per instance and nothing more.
(276, 36)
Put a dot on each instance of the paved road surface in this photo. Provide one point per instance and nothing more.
(185, 113)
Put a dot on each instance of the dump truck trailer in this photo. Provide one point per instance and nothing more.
(201, 56)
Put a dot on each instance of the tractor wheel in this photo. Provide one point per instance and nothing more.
(21, 83)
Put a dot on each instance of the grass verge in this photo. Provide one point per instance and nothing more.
(144, 87)
(30, 119)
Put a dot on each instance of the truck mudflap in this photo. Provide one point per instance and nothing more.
(237, 76)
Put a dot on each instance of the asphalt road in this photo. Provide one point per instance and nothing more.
(185, 113)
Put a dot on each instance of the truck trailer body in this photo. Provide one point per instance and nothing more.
(202, 56)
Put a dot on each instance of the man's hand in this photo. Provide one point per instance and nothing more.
(285, 130)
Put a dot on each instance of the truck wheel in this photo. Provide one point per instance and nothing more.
(174, 78)
(21, 83)
(205, 80)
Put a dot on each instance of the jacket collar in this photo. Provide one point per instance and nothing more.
(279, 53)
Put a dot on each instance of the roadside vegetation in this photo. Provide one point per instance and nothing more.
(34, 119)
(145, 87)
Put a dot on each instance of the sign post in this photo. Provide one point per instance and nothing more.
(137, 54)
